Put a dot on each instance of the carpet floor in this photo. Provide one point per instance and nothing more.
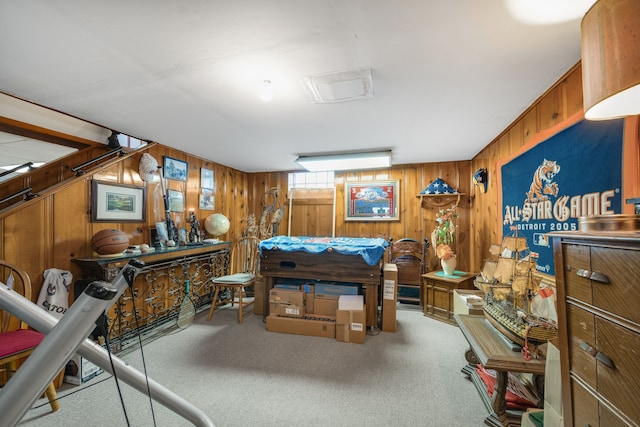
(243, 375)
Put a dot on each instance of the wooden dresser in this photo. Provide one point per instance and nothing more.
(598, 284)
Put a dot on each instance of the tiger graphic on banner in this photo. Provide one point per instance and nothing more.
(576, 172)
(542, 185)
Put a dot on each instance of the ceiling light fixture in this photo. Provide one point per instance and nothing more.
(342, 162)
(611, 59)
(339, 86)
(266, 92)
(547, 12)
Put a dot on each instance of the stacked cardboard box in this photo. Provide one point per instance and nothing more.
(389, 297)
(311, 308)
(287, 302)
(350, 319)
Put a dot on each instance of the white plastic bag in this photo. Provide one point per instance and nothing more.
(54, 295)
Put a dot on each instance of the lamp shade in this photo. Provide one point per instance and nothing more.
(611, 59)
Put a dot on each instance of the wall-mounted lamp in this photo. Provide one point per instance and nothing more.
(266, 91)
(350, 161)
(611, 59)
(480, 178)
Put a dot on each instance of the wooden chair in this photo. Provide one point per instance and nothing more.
(17, 341)
(245, 259)
(409, 255)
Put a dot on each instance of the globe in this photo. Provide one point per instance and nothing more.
(216, 224)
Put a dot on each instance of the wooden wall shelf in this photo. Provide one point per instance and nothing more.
(439, 200)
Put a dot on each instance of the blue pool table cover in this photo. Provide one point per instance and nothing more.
(371, 250)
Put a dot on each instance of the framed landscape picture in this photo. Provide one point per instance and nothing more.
(175, 169)
(372, 201)
(113, 202)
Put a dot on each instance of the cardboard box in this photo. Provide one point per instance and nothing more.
(310, 325)
(350, 302)
(259, 289)
(389, 297)
(335, 289)
(325, 306)
(80, 370)
(289, 286)
(351, 324)
(467, 302)
(308, 289)
(287, 302)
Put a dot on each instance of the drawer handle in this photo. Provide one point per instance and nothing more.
(287, 265)
(593, 275)
(603, 358)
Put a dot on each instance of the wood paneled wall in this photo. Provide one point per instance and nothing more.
(52, 229)
(417, 219)
(561, 101)
(479, 212)
(55, 227)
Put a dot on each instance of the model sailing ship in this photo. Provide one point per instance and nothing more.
(509, 284)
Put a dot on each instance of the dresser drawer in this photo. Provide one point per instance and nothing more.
(577, 258)
(585, 407)
(587, 411)
(621, 295)
(605, 278)
(620, 383)
(606, 356)
(582, 331)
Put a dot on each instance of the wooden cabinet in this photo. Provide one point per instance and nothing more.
(159, 288)
(597, 276)
(438, 293)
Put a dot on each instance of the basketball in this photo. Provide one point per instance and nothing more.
(109, 241)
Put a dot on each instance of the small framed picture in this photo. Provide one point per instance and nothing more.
(176, 200)
(113, 202)
(206, 179)
(207, 202)
(175, 169)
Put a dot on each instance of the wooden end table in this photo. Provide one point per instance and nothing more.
(438, 293)
(491, 349)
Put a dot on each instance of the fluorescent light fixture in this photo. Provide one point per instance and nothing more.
(547, 12)
(342, 162)
(339, 86)
(610, 58)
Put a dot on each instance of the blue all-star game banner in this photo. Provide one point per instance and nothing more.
(576, 172)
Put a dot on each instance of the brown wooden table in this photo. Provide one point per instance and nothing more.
(493, 351)
(157, 291)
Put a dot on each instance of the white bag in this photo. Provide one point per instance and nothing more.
(54, 295)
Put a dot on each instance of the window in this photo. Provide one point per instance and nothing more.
(311, 179)
(130, 142)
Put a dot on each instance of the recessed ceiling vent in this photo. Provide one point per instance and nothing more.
(339, 86)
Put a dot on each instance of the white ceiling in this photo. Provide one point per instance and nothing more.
(448, 75)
